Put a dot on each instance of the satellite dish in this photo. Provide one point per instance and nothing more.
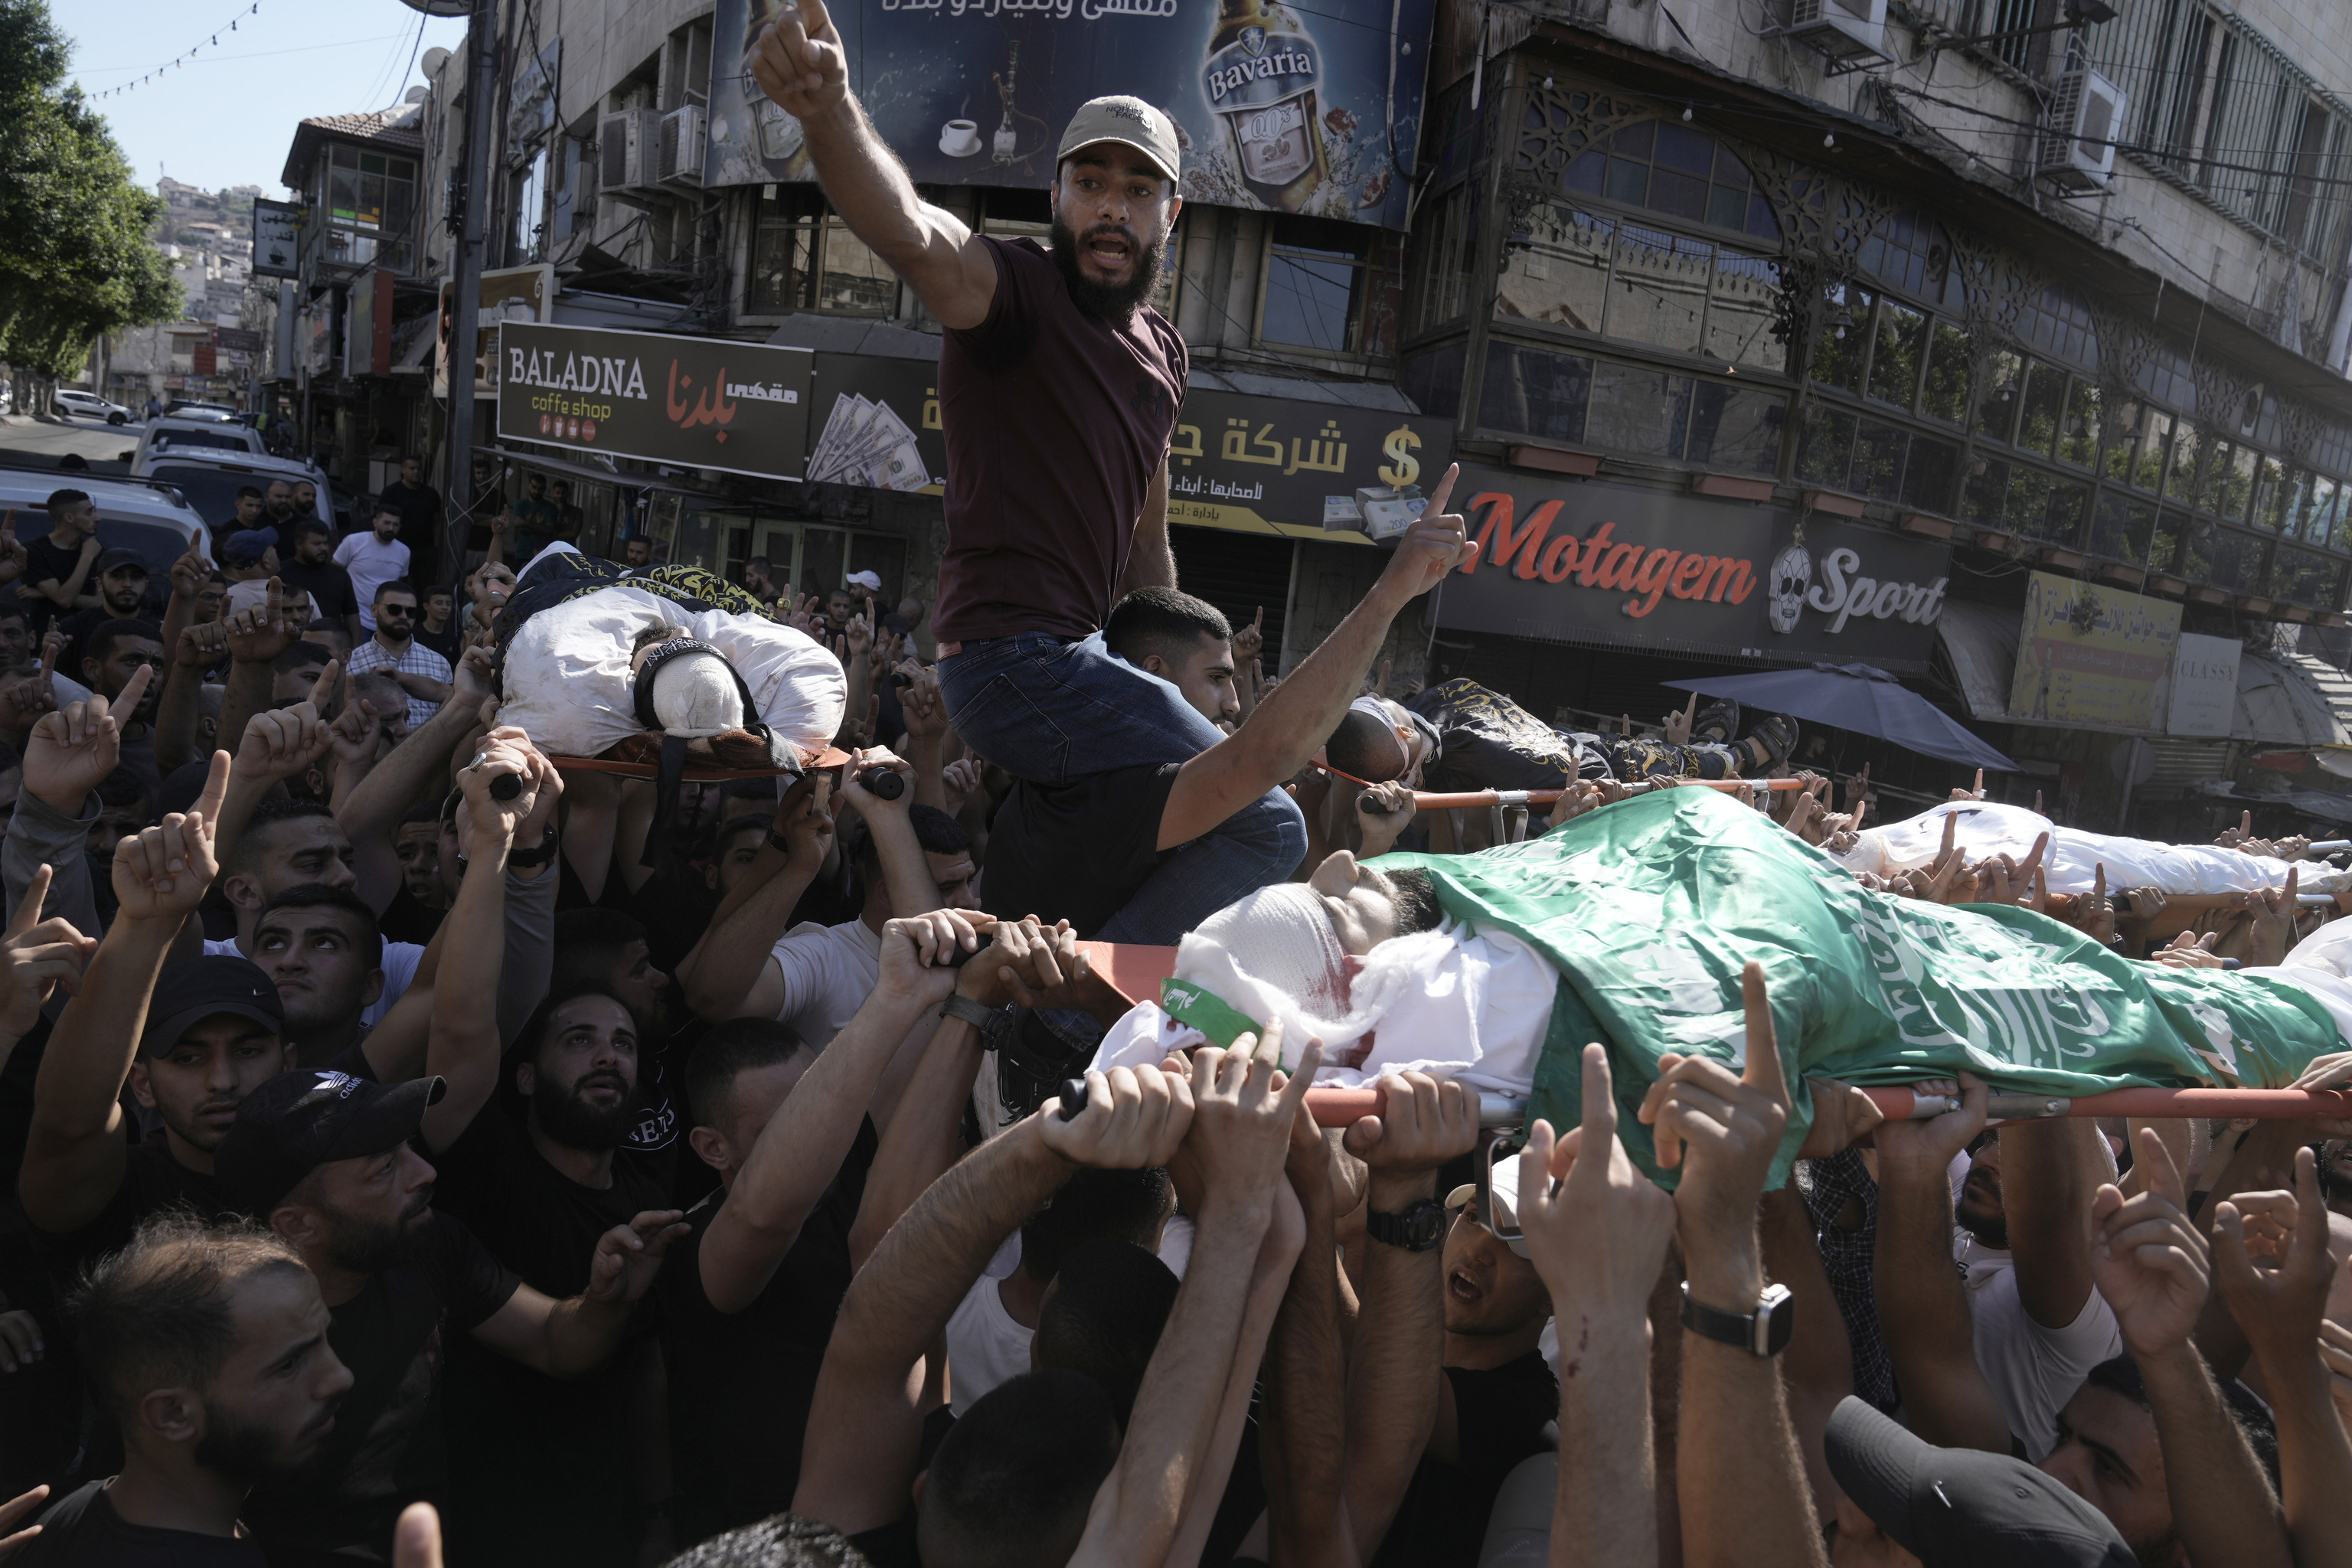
(435, 58)
(2133, 761)
(417, 94)
(441, 8)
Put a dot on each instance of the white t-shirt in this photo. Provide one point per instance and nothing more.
(370, 563)
(828, 973)
(400, 959)
(985, 1346)
(2033, 1370)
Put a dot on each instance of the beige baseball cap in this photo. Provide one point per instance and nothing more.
(1129, 121)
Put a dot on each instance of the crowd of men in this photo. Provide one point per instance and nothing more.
(419, 1148)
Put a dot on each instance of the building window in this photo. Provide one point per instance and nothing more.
(371, 199)
(530, 210)
(1602, 275)
(1442, 242)
(1316, 284)
(805, 259)
(1679, 170)
(1641, 411)
(1433, 379)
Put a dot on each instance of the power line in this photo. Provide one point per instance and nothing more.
(258, 54)
(184, 57)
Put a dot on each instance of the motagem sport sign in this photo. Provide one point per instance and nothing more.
(1595, 562)
(698, 403)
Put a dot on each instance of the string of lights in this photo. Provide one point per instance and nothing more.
(213, 42)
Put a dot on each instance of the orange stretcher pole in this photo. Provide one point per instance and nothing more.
(1425, 801)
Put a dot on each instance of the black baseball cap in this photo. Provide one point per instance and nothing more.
(300, 1120)
(116, 559)
(187, 993)
(1959, 1508)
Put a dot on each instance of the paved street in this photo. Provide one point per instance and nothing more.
(25, 439)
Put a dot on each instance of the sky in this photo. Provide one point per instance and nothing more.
(226, 116)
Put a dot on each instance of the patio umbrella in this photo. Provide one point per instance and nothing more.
(1858, 698)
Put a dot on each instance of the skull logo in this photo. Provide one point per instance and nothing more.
(1791, 575)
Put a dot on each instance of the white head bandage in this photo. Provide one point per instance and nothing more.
(696, 696)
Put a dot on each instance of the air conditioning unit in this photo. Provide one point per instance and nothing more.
(681, 146)
(1842, 30)
(2079, 149)
(625, 143)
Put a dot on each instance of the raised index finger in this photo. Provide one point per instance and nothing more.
(1443, 493)
(1762, 1069)
(28, 908)
(133, 689)
(2163, 1177)
(322, 690)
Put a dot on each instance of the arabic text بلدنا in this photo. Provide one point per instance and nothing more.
(1090, 10)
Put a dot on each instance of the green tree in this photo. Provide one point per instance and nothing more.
(75, 256)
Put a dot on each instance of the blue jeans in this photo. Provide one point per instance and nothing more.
(1051, 712)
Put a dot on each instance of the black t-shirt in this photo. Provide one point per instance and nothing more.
(387, 1450)
(1501, 1415)
(741, 1383)
(566, 1444)
(151, 1182)
(417, 509)
(1078, 852)
(83, 1530)
(405, 919)
(77, 628)
(1490, 742)
(327, 583)
(45, 563)
(443, 642)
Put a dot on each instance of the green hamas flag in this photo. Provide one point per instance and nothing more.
(1649, 908)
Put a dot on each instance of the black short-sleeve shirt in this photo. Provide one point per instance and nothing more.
(387, 1450)
(327, 583)
(566, 1443)
(1079, 851)
(740, 1383)
(151, 1182)
(83, 1528)
(46, 563)
(1501, 1415)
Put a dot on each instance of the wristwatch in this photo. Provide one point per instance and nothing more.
(970, 1011)
(1763, 1332)
(1419, 1226)
(549, 843)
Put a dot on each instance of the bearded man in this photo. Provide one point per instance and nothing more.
(1059, 387)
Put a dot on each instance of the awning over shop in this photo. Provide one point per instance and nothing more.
(2283, 698)
(590, 471)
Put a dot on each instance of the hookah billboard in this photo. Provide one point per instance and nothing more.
(1277, 108)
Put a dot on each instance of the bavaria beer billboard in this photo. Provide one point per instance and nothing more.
(1276, 107)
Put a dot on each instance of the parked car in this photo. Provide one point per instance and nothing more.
(186, 408)
(91, 405)
(209, 478)
(154, 519)
(175, 432)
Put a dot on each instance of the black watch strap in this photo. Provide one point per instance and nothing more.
(970, 1011)
(1419, 1226)
(549, 843)
(1762, 1332)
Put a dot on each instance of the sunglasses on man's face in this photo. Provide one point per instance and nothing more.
(399, 611)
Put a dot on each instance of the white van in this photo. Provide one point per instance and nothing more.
(210, 478)
(197, 432)
(152, 519)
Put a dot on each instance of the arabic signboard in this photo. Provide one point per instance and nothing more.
(276, 239)
(1277, 107)
(2094, 656)
(1277, 464)
(2204, 686)
(509, 294)
(699, 403)
(237, 339)
(1585, 561)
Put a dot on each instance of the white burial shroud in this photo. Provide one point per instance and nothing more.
(1987, 829)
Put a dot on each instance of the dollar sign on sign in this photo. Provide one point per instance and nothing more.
(1403, 466)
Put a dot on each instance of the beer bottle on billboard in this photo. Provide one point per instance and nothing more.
(1261, 78)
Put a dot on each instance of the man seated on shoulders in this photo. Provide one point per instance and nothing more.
(1085, 850)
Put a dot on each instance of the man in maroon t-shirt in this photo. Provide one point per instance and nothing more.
(1058, 388)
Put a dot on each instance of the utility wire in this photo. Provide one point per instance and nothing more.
(212, 43)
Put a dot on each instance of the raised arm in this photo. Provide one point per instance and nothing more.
(74, 1153)
(857, 1478)
(1396, 1377)
(1738, 1473)
(2152, 1266)
(373, 809)
(1599, 1243)
(1923, 1310)
(1304, 1445)
(2049, 1170)
(66, 756)
(801, 1150)
(732, 972)
(193, 650)
(2280, 1309)
(1297, 716)
(257, 635)
(799, 64)
(1237, 1141)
